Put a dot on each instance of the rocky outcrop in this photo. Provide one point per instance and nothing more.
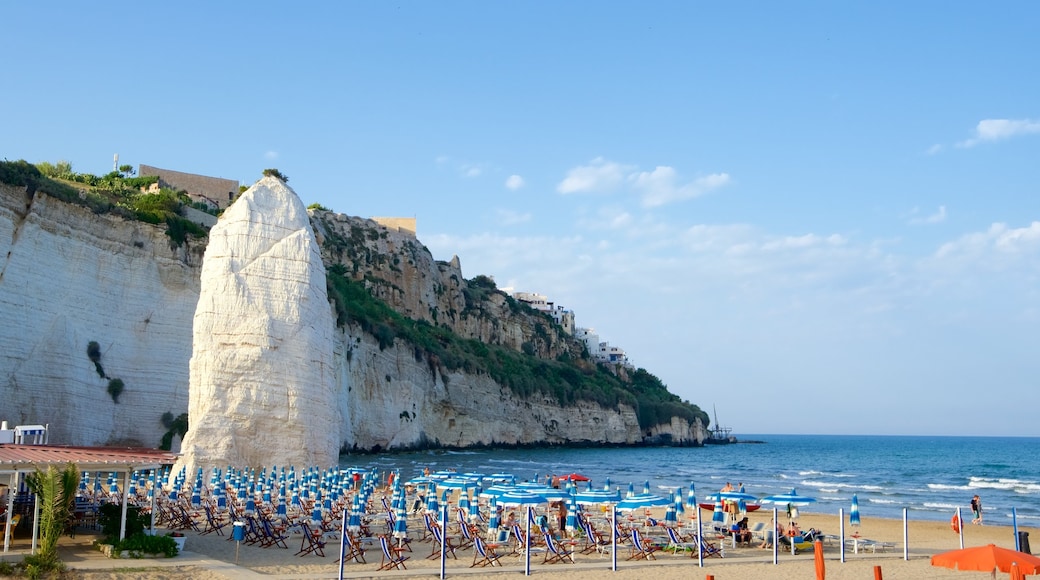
(261, 383)
(265, 346)
(68, 278)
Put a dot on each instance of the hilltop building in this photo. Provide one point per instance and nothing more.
(216, 192)
(601, 351)
(397, 224)
(562, 316)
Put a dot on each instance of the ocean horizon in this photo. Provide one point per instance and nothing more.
(930, 476)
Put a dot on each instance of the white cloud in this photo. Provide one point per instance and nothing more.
(514, 182)
(659, 187)
(938, 217)
(271, 155)
(934, 149)
(999, 241)
(598, 176)
(470, 171)
(992, 130)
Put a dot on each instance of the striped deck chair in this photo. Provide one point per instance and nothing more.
(393, 558)
(467, 536)
(641, 549)
(273, 533)
(677, 543)
(214, 523)
(438, 539)
(708, 549)
(554, 552)
(312, 541)
(594, 541)
(484, 554)
(352, 549)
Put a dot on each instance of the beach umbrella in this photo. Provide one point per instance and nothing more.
(680, 507)
(631, 490)
(1016, 572)
(671, 516)
(464, 503)
(493, 520)
(401, 525)
(788, 498)
(691, 498)
(646, 487)
(597, 496)
(641, 501)
(606, 485)
(718, 515)
(987, 559)
(820, 565)
(520, 497)
(496, 491)
(571, 523)
(854, 511)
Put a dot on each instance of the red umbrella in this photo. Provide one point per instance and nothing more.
(575, 477)
(986, 559)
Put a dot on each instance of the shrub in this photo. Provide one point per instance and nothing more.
(140, 543)
(276, 174)
(115, 388)
(108, 518)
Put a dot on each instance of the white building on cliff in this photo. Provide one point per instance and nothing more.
(562, 316)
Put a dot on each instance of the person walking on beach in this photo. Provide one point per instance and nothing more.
(976, 510)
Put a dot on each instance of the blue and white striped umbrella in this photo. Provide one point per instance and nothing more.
(606, 485)
(316, 517)
(493, 520)
(282, 510)
(221, 497)
(691, 498)
(646, 487)
(521, 497)
(641, 501)
(431, 501)
(572, 516)
(680, 508)
(670, 515)
(354, 522)
(718, 515)
(631, 489)
(788, 498)
(401, 524)
(597, 496)
(250, 506)
(464, 503)
(854, 512)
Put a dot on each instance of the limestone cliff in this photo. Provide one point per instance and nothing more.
(70, 277)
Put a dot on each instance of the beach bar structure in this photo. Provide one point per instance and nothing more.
(18, 460)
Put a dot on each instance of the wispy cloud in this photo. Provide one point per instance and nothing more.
(655, 188)
(514, 182)
(992, 130)
(938, 217)
(661, 186)
(271, 155)
(998, 241)
(599, 176)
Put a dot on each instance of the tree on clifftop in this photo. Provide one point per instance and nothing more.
(276, 174)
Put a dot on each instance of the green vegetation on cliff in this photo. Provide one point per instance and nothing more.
(116, 193)
(564, 380)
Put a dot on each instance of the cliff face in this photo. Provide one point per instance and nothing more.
(69, 277)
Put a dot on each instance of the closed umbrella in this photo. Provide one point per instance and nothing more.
(670, 514)
(680, 507)
(646, 487)
(717, 514)
(493, 520)
(401, 525)
(571, 523)
(631, 489)
(691, 498)
(854, 511)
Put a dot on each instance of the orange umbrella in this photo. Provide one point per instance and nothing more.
(986, 559)
(821, 570)
(1016, 572)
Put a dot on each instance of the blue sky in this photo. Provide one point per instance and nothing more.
(815, 217)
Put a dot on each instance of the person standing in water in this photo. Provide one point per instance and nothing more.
(976, 510)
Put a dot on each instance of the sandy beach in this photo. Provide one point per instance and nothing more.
(213, 557)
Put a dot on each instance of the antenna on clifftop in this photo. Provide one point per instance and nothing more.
(115, 162)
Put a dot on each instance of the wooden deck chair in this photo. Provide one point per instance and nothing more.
(484, 554)
(708, 549)
(274, 533)
(312, 541)
(467, 536)
(393, 557)
(641, 549)
(440, 538)
(677, 543)
(214, 523)
(428, 531)
(352, 549)
(594, 541)
(555, 552)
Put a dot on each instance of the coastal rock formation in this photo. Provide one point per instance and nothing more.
(261, 382)
(69, 278)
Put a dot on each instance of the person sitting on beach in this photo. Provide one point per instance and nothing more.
(742, 533)
(777, 532)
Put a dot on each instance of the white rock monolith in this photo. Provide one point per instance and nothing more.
(262, 390)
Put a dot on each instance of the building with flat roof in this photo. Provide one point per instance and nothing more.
(216, 192)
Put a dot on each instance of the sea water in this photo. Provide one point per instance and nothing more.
(929, 476)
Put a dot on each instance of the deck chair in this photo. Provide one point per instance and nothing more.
(554, 552)
(641, 549)
(594, 541)
(9, 527)
(677, 543)
(352, 549)
(438, 539)
(273, 534)
(393, 558)
(466, 540)
(484, 554)
(214, 523)
(312, 541)
(708, 549)
(758, 531)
